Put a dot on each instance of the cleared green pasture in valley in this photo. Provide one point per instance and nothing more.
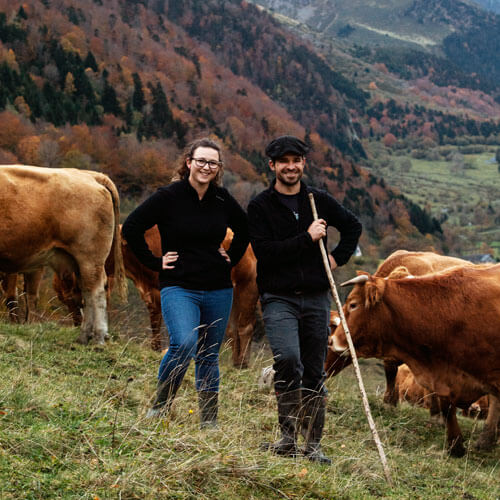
(435, 182)
(463, 195)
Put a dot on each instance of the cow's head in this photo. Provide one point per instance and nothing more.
(360, 306)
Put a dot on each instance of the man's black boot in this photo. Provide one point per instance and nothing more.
(208, 403)
(313, 421)
(288, 410)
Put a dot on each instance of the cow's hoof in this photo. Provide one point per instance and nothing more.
(389, 400)
(457, 449)
(83, 339)
(241, 366)
(485, 443)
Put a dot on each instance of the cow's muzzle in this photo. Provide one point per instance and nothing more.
(343, 351)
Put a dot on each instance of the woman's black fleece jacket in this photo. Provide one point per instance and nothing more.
(195, 229)
(288, 261)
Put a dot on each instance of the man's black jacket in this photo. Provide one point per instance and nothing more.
(288, 261)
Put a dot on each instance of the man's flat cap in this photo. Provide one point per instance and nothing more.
(286, 144)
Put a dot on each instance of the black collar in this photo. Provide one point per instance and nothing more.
(209, 194)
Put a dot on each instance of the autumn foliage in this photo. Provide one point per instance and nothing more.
(121, 86)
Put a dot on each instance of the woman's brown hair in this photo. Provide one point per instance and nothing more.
(182, 171)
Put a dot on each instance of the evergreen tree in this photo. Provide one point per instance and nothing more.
(109, 101)
(138, 100)
(161, 116)
(90, 61)
(52, 110)
(181, 130)
(21, 13)
(129, 115)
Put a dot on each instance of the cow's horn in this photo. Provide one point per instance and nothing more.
(362, 278)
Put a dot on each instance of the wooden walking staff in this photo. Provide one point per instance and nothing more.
(355, 363)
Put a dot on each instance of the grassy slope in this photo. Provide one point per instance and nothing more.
(72, 426)
(380, 23)
(433, 183)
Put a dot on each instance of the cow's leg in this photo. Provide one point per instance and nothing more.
(9, 284)
(32, 290)
(243, 321)
(489, 435)
(86, 328)
(245, 327)
(391, 394)
(453, 432)
(245, 334)
(152, 299)
(437, 407)
(68, 292)
(232, 335)
(155, 319)
(95, 321)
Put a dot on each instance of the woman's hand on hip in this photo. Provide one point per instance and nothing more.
(225, 255)
(168, 259)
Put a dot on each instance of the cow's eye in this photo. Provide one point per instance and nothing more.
(352, 306)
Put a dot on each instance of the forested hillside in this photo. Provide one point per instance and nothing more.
(121, 86)
(443, 88)
(474, 44)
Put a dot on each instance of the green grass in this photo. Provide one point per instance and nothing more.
(72, 425)
(434, 183)
(470, 199)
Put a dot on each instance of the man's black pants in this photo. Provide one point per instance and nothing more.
(297, 330)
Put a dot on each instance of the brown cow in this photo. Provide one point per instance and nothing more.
(411, 391)
(147, 283)
(241, 323)
(444, 326)
(417, 263)
(67, 219)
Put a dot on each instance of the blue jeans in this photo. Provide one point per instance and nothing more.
(196, 321)
(297, 330)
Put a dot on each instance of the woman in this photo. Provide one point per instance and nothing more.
(192, 215)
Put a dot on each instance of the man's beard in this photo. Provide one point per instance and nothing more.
(282, 178)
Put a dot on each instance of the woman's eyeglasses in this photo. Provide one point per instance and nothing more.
(201, 162)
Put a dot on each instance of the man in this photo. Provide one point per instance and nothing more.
(294, 290)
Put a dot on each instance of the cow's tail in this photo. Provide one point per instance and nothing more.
(120, 281)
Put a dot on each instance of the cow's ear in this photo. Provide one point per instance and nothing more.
(374, 289)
